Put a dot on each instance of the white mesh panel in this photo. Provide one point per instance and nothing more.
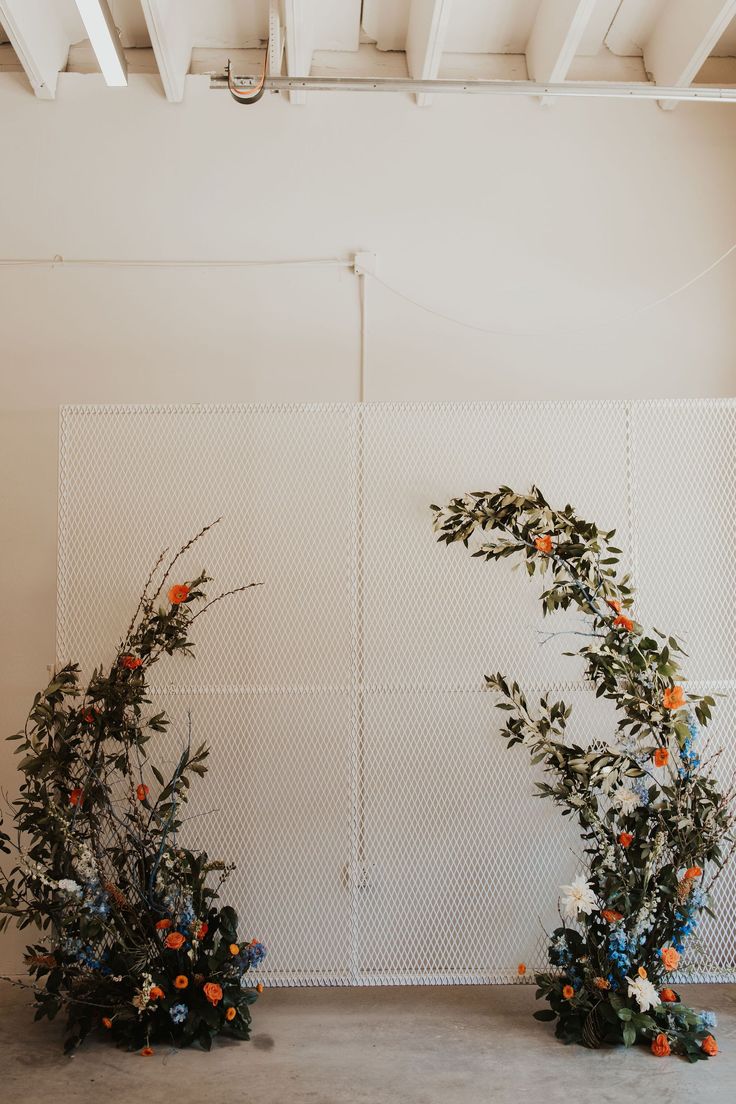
(382, 831)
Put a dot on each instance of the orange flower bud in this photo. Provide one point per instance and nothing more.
(76, 796)
(568, 992)
(181, 981)
(130, 663)
(661, 757)
(668, 996)
(661, 1045)
(156, 993)
(147, 1052)
(521, 969)
(625, 839)
(106, 1022)
(692, 872)
(259, 987)
(611, 916)
(231, 1014)
(141, 792)
(709, 1046)
(234, 949)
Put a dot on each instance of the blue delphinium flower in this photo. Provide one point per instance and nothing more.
(639, 786)
(254, 954)
(619, 951)
(179, 1013)
(708, 1019)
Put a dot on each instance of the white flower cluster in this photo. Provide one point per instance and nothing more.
(644, 993)
(70, 887)
(142, 996)
(84, 863)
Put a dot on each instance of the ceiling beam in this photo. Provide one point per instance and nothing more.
(425, 40)
(170, 32)
(683, 38)
(298, 28)
(556, 35)
(40, 41)
(105, 39)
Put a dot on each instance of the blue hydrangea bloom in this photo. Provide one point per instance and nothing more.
(179, 1013)
(708, 1019)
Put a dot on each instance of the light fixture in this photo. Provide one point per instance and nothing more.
(103, 34)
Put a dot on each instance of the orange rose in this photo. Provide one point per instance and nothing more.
(76, 796)
(162, 925)
(623, 622)
(674, 698)
(106, 1022)
(661, 1045)
(181, 981)
(614, 604)
(521, 969)
(611, 916)
(670, 958)
(178, 594)
(661, 757)
(692, 872)
(130, 663)
(156, 993)
(568, 992)
(668, 996)
(709, 1046)
(601, 983)
(147, 1052)
(625, 839)
(234, 949)
(213, 992)
(259, 987)
(174, 940)
(141, 792)
(231, 1014)
(543, 544)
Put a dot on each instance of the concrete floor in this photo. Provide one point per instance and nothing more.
(462, 1045)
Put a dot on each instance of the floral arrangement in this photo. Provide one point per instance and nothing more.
(656, 828)
(134, 943)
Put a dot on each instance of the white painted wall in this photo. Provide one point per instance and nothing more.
(500, 212)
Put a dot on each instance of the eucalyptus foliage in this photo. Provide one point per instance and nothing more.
(656, 827)
(132, 938)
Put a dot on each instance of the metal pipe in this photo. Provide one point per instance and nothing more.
(596, 89)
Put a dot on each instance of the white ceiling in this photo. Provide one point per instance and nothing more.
(475, 26)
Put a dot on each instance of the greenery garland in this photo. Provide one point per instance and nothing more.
(134, 943)
(651, 813)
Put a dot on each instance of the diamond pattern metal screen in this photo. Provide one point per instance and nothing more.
(382, 832)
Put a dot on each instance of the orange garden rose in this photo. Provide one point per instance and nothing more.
(674, 698)
(709, 1046)
(147, 1052)
(611, 916)
(543, 544)
(178, 594)
(624, 622)
(156, 993)
(661, 1045)
(162, 925)
(259, 987)
(76, 796)
(568, 992)
(601, 983)
(670, 958)
(661, 757)
(625, 839)
(130, 663)
(174, 940)
(213, 992)
(521, 969)
(692, 872)
(181, 981)
(106, 1022)
(668, 996)
(141, 792)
